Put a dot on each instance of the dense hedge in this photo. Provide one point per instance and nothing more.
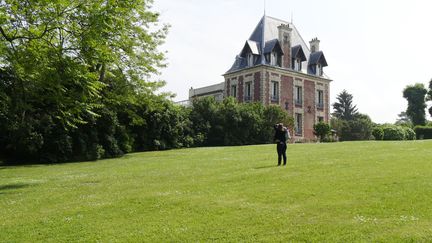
(423, 132)
(393, 132)
(153, 123)
(378, 133)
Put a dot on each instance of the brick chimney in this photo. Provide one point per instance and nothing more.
(285, 42)
(314, 45)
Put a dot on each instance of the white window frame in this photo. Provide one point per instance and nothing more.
(320, 98)
(318, 70)
(275, 91)
(234, 90)
(298, 96)
(299, 124)
(273, 58)
(248, 91)
(250, 59)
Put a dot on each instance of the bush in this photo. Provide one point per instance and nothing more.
(409, 133)
(423, 132)
(392, 132)
(378, 133)
(360, 128)
(321, 130)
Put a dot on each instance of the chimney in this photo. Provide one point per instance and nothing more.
(314, 45)
(285, 42)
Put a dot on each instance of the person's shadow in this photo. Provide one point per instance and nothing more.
(11, 187)
(265, 167)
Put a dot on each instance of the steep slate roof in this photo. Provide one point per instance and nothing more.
(267, 29)
(297, 52)
(317, 57)
(253, 46)
(272, 44)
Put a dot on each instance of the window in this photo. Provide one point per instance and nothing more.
(273, 59)
(320, 101)
(298, 124)
(319, 70)
(298, 95)
(275, 91)
(250, 58)
(279, 61)
(248, 91)
(297, 64)
(234, 90)
(320, 119)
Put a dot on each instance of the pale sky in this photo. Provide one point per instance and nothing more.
(374, 48)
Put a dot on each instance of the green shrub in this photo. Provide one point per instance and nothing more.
(321, 130)
(378, 133)
(409, 133)
(423, 132)
(392, 132)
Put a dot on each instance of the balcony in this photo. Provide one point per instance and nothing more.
(248, 98)
(320, 106)
(298, 103)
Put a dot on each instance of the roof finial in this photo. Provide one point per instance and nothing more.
(263, 33)
(292, 17)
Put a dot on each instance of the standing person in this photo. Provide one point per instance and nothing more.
(281, 136)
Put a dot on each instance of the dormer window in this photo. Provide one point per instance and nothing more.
(250, 60)
(297, 57)
(297, 65)
(319, 70)
(316, 64)
(273, 58)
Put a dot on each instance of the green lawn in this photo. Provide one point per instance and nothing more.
(357, 191)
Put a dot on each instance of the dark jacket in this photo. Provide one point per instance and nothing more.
(281, 135)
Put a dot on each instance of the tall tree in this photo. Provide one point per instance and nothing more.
(415, 95)
(67, 63)
(344, 108)
(60, 53)
(403, 119)
(429, 96)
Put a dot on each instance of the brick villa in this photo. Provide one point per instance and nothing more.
(277, 67)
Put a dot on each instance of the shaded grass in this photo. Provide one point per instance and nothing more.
(357, 191)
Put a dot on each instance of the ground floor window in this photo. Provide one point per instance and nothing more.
(234, 90)
(248, 91)
(298, 124)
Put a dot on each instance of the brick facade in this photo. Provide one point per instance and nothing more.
(261, 78)
(267, 88)
(228, 87)
(287, 94)
(309, 108)
(257, 86)
(240, 89)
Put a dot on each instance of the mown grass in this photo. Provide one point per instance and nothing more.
(343, 192)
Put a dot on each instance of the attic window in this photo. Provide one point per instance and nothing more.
(250, 59)
(319, 70)
(297, 64)
(273, 58)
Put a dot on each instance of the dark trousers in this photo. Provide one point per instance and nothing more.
(281, 150)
